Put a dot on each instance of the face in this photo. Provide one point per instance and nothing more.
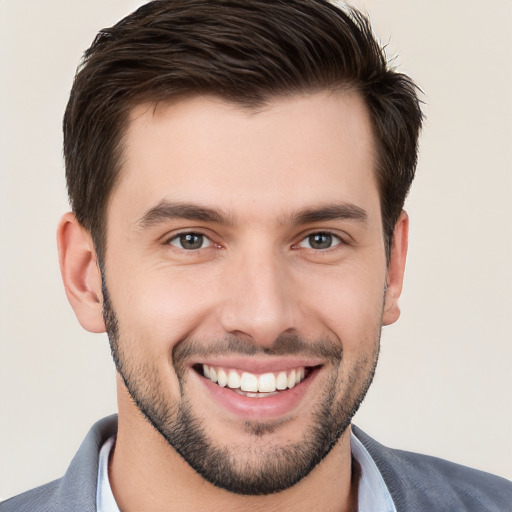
(244, 280)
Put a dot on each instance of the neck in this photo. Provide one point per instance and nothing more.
(146, 473)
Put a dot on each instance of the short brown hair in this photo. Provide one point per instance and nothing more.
(243, 51)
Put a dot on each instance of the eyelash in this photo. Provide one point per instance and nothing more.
(180, 237)
(328, 234)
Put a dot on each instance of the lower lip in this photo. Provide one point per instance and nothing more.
(271, 407)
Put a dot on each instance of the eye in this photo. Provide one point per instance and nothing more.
(190, 241)
(320, 241)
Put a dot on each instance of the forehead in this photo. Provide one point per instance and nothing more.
(289, 154)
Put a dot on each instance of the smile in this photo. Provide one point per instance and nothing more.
(258, 389)
(255, 385)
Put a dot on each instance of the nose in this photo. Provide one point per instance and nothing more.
(258, 298)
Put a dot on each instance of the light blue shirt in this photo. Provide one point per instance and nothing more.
(373, 494)
(105, 501)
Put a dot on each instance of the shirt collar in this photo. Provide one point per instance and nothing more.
(105, 501)
(373, 493)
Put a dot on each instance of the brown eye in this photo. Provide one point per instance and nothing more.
(190, 241)
(320, 241)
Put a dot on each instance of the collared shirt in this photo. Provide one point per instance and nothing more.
(105, 501)
(373, 494)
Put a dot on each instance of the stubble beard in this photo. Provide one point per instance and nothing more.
(258, 469)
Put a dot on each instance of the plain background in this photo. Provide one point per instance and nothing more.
(444, 384)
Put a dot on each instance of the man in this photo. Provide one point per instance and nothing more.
(237, 172)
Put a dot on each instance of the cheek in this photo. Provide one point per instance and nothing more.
(158, 308)
(350, 305)
(160, 305)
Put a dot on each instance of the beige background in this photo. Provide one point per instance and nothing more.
(444, 385)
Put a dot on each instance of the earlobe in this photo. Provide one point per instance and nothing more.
(396, 269)
(80, 273)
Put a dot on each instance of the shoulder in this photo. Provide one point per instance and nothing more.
(76, 490)
(417, 482)
(40, 499)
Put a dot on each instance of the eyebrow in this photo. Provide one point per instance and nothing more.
(342, 211)
(165, 211)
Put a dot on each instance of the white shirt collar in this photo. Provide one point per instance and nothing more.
(373, 493)
(105, 501)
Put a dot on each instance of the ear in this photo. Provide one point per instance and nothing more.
(396, 269)
(80, 273)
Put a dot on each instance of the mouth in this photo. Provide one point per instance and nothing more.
(255, 385)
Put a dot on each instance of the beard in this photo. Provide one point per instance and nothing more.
(257, 468)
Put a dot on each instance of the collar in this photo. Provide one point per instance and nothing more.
(105, 501)
(373, 493)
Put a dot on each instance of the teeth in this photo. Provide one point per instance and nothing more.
(267, 383)
(222, 378)
(291, 379)
(282, 381)
(253, 385)
(233, 379)
(249, 382)
(259, 395)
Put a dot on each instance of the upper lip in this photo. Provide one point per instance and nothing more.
(258, 364)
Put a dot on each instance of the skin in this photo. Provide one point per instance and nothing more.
(256, 278)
